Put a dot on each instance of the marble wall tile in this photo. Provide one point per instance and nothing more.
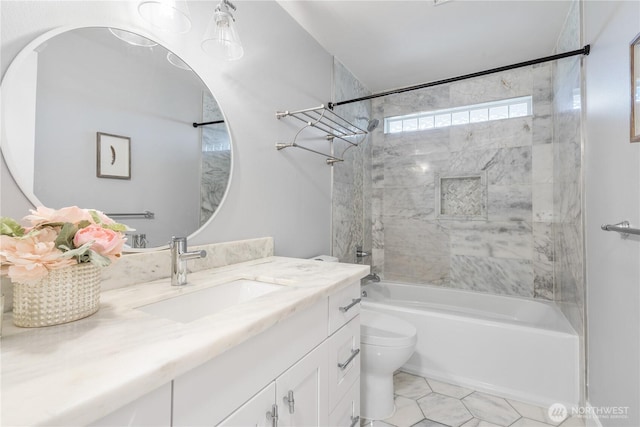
(406, 266)
(500, 276)
(491, 239)
(509, 84)
(411, 171)
(543, 202)
(510, 203)
(503, 165)
(515, 132)
(416, 250)
(409, 202)
(542, 164)
(353, 178)
(512, 251)
(406, 165)
(542, 76)
(346, 222)
(429, 99)
(377, 205)
(543, 258)
(543, 281)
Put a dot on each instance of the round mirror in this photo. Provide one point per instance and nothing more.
(106, 119)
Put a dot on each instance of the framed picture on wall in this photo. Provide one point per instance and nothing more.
(114, 156)
(635, 89)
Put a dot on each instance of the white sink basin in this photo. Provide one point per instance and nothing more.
(192, 306)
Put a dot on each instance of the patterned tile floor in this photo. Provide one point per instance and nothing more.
(423, 402)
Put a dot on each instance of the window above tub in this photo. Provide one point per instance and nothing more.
(476, 113)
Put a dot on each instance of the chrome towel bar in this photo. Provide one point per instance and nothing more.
(622, 227)
(145, 215)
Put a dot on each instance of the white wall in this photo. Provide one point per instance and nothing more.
(612, 189)
(281, 194)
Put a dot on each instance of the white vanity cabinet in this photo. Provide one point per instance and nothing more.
(151, 410)
(291, 368)
(298, 397)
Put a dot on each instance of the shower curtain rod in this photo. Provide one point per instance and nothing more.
(584, 51)
(195, 125)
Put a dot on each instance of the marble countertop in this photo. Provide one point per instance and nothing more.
(76, 373)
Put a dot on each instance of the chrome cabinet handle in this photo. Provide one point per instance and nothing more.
(272, 416)
(289, 400)
(354, 302)
(354, 353)
(355, 421)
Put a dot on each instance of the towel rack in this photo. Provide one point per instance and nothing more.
(622, 227)
(328, 122)
(145, 215)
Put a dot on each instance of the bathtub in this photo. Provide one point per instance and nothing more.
(519, 348)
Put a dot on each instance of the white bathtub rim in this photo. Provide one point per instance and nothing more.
(564, 327)
(366, 303)
(483, 387)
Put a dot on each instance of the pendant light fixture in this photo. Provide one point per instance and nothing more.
(171, 16)
(221, 39)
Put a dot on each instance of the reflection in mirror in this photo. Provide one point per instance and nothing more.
(93, 80)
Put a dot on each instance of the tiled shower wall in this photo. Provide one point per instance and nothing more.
(569, 265)
(351, 197)
(508, 252)
(568, 179)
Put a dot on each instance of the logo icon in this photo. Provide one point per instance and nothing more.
(557, 412)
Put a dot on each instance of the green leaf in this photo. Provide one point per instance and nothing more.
(79, 253)
(95, 216)
(116, 227)
(10, 227)
(83, 224)
(99, 260)
(65, 238)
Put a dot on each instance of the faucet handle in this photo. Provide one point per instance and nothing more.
(178, 243)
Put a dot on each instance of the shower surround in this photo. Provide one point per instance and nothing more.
(524, 176)
(508, 249)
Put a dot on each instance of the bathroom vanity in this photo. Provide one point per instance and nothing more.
(291, 354)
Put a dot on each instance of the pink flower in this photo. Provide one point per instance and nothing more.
(72, 214)
(106, 242)
(32, 256)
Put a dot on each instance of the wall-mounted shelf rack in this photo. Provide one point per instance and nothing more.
(328, 122)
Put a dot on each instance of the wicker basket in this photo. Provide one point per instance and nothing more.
(65, 295)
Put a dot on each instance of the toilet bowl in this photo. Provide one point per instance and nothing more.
(386, 343)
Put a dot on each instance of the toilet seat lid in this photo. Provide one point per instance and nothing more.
(385, 330)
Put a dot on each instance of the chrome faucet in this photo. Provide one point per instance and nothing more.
(179, 257)
(360, 253)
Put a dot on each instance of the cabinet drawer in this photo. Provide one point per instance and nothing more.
(344, 306)
(344, 360)
(347, 411)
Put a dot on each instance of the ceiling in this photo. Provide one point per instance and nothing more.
(390, 44)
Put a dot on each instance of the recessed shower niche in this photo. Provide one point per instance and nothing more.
(461, 196)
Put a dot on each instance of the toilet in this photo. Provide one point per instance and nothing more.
(386, 343)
